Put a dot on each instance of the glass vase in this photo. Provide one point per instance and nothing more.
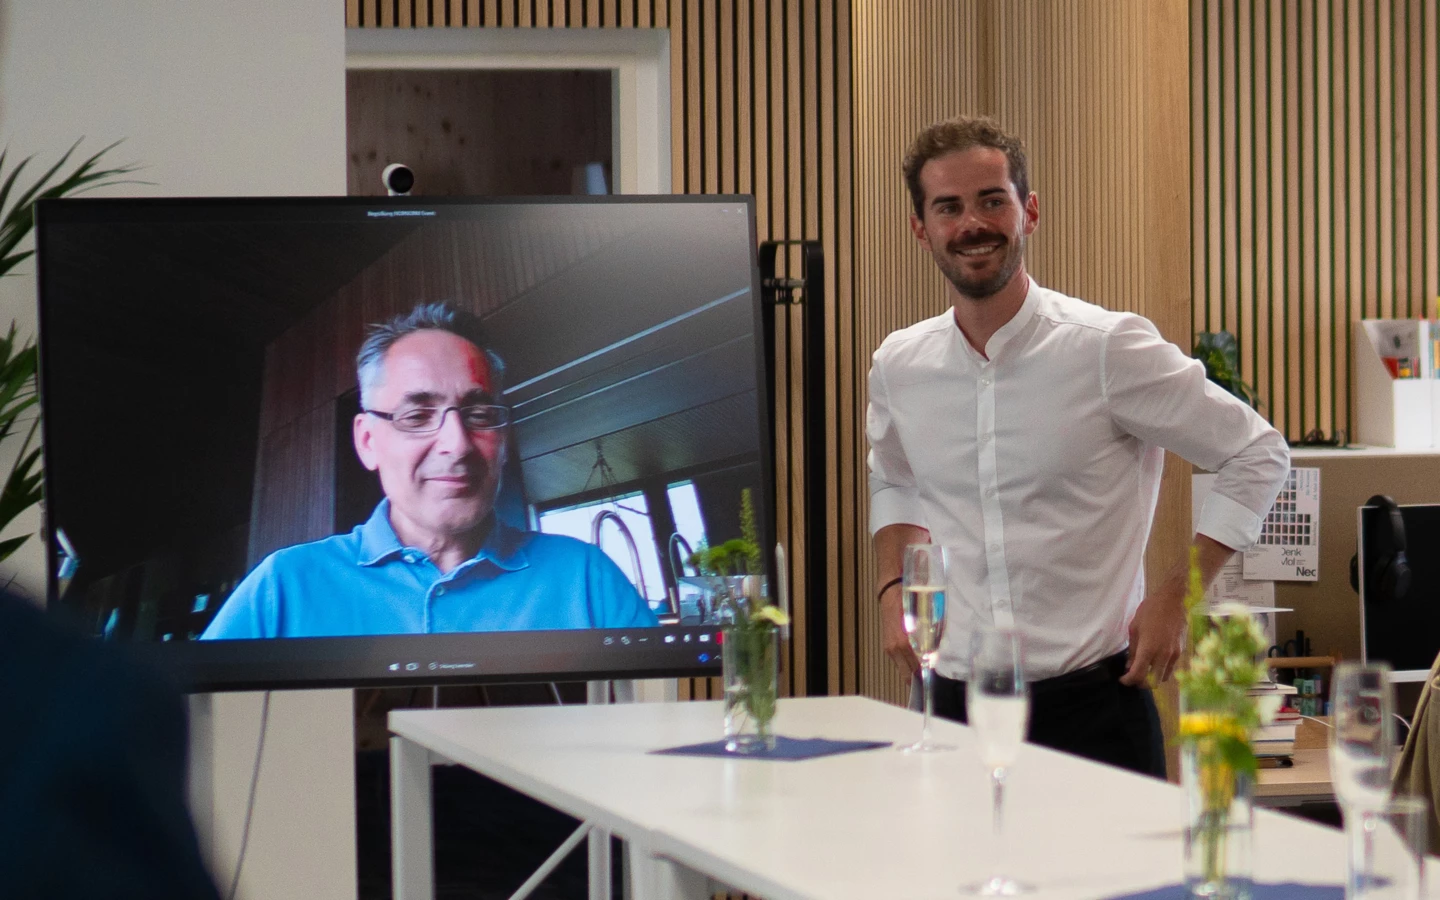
(750, 661)
(1219, 804)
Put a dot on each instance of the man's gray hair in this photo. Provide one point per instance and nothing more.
(379, 338)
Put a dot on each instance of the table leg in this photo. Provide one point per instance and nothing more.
(600, 873)
(411, 851)
(661, 878)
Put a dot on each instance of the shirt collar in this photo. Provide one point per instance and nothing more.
(1002, 337)
(504, 546)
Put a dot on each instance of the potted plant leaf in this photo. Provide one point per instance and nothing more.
(19, 359)
(1220, 353)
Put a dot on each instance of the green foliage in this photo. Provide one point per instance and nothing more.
(737, 556)
(730, 558)
(750, 534)
(18, 361)
(18, 218)
(1221, 356)
(750, 622)
(1219, 711)
(21, 489)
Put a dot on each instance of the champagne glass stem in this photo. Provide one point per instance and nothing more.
(997, 781)
(927, 676)
(1367, 861)
(1361, 838)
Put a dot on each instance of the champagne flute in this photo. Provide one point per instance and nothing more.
(997, 705)
(923, 598)
(1362, 751)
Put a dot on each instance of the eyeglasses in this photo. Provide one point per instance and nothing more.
(425, 419)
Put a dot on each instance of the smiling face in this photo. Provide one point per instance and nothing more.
(441, 485)
(974, 224)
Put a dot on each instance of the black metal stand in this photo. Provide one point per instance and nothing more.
(778, 292)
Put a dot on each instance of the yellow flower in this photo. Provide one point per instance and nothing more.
(1203, 724)
(772, 614)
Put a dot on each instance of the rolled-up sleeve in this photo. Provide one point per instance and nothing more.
(894, 499)
(1162, 396)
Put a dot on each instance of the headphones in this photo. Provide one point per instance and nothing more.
(1391, 570)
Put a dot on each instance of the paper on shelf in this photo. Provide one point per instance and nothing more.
(1289, 545)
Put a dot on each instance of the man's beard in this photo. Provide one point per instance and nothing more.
(981, 288)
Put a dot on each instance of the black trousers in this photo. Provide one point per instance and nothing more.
(1088, 713)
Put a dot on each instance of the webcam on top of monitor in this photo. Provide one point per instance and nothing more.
(399, 179)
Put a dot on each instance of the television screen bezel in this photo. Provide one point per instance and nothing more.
(370, 661)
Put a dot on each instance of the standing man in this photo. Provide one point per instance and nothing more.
(1026, 430)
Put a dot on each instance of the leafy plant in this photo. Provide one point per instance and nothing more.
(1219, 713)
(1221, 356)
(737, 556)
(18, 361)
(750, 620)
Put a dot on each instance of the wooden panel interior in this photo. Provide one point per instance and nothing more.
(809, 105)
(477, 133)
(1314, 187)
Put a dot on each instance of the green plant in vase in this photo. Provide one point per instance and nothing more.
(750, 640)
(1218, 716)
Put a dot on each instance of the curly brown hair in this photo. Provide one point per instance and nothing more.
(955, 135)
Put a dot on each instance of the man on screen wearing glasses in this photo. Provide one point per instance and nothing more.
(433, 557)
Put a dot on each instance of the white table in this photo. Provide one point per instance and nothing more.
(861, 825)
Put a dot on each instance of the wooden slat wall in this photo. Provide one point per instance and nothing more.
(1314, 141)
(1098, 89)
(760, 105)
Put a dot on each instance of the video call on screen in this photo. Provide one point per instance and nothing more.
(199, 386)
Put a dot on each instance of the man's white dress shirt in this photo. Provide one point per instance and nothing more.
(1040, 467)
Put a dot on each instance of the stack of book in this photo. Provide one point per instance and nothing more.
(1275, 743)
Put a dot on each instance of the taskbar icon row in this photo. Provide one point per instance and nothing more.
(448, 667)
(702, 642)
(650, 638)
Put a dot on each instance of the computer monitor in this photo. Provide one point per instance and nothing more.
(1404, 630)
(211, 467)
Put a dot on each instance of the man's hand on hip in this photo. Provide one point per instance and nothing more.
(1157, 636)
(894, 641)
(1157, 633)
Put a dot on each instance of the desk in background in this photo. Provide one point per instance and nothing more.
(1308, 781)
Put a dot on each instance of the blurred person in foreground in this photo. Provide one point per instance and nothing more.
(92, 771)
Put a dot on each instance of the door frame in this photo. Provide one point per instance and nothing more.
(638, 58)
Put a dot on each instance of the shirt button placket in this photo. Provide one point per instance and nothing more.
(989, 483)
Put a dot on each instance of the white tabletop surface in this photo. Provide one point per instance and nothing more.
(860, 825)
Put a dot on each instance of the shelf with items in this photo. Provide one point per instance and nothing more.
(1397, 396)
(1300, 662)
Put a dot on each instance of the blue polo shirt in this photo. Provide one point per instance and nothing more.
(366, 582)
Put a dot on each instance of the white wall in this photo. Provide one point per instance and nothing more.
(214, 97)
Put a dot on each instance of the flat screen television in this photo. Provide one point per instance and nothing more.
(562, 405)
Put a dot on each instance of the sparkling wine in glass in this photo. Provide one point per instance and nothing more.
(1362, 751)
(923, 608)
(997, 705)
